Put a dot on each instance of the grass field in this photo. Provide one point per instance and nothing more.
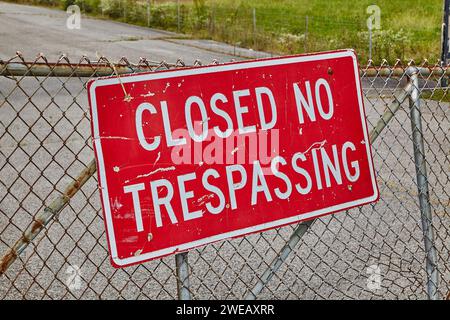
(409, 29)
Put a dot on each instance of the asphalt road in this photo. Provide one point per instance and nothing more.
(33, 30)
(332, 258)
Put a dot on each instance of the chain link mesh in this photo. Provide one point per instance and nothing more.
(45, 143)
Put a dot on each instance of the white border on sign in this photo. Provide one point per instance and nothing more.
(235, 233)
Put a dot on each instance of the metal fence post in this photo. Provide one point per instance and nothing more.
(125, 11)
(178, 16)
(148, 12)
(370, 42)
(306, 34)
(445, 39)
(254, 26)
(422, 186)
(181, 261)
(212, 26)
(444, 32)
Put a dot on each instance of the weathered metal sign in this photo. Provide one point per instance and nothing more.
(192, 156)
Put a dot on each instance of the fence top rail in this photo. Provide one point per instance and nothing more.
(40, 67)
(63, 67)
(77, 70)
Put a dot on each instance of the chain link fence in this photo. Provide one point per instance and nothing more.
(52, 238)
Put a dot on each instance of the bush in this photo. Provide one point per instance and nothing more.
(88, 6)
(201, 15)
(164, 16)
(386, 44)
(111, 8)
(66, 3)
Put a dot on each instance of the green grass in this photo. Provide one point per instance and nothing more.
(441, 95)
(410, 29)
